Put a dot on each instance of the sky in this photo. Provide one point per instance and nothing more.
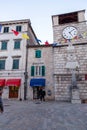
(40, 13)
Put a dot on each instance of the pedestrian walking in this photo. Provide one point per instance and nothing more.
(43, 94)
(1, 102)
(40, 94)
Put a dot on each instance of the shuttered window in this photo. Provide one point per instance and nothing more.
(6, 30)
(38, 53)
(15, 63)
(17, 44)
(37, 70)
(4, 45)
(2, 64)
(18, 28)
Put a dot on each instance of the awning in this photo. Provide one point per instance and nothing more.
(2, 82)
(13, 82)
(37, 82)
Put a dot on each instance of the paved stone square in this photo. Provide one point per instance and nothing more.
(52, 115)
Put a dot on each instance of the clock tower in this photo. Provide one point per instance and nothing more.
(70, 26)
(70, 66)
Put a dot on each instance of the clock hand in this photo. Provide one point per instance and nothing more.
(70, 33)
(71, 30)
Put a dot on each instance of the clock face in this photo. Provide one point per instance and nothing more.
(69, 32)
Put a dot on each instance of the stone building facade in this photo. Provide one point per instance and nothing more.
(41, 59)
(13, 56)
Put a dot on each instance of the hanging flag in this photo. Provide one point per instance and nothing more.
(15, 32)
(80, 36)
(76, 37)
(25, 36)
(84, 33)
(65, 40)
(0, 27)
(69, 40)
(72, 39)
(38, 40)
(56, 44)
(46, 43)
(62, 41)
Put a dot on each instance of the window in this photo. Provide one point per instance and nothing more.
(37, 70)
(17, 44)
(68, 18)
(6, 29)
(38, 53)
(18, 28)
(4, 45)
(15, 64)
(2, 64)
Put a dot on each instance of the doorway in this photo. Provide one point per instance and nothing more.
(35, 92)
(13, 91)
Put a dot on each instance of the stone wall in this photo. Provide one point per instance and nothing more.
(62, 76)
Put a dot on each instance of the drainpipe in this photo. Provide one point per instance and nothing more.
(26, 74)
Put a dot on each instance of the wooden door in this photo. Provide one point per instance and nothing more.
(13, 91)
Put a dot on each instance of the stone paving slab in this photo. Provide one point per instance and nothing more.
(29, 115)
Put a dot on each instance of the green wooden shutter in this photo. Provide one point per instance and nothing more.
(16, 64)
(32, 70)
(38, 53)
(17, 45)
(4, 45)
(43, 70)
(2, 64)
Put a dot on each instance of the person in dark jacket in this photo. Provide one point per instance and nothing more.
(42, 94)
